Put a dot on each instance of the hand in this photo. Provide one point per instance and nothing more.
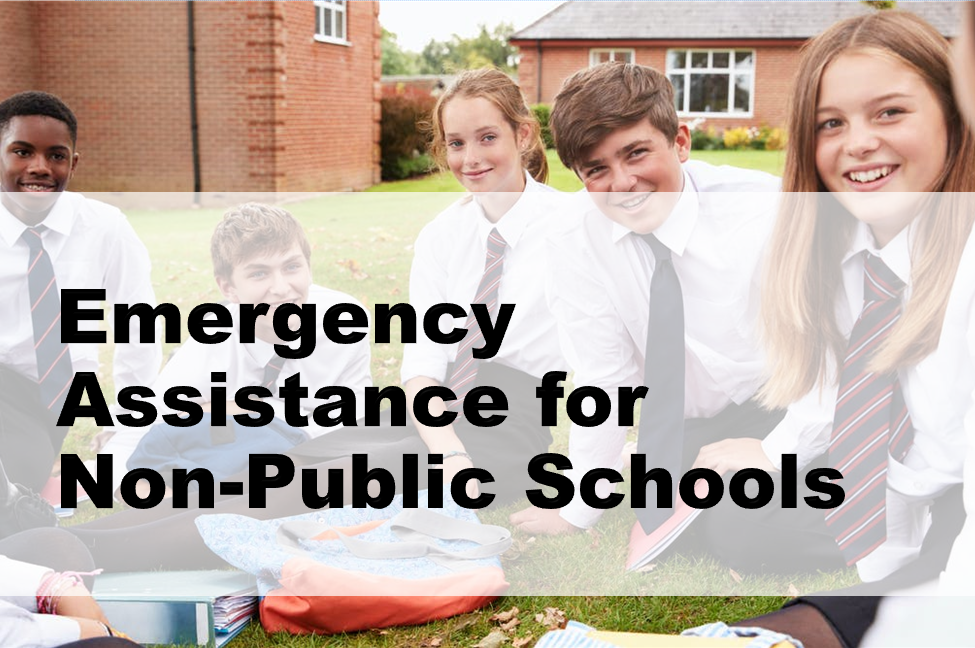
(732, 455)
(99, 440)
(542, 522)
(452, 466)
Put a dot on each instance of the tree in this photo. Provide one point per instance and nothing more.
(395, 60)
(489, 47)
(880, 4)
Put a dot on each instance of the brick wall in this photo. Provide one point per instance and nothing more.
(329, 115)
(16, 47)
(775, 67)
(277, 110)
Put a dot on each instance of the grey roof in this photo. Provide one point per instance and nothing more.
(657, 19)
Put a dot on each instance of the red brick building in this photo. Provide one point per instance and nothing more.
(731, 63)
(284, 95)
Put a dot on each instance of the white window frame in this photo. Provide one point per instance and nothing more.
(612, 51)
(337, 12)
(687, 72)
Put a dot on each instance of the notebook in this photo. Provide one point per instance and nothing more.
(188, 608)
(645, 547)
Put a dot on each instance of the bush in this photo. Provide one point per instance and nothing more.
(542, 114)
(402, 142)
(775, 138)
(737, 138)
(706, 139)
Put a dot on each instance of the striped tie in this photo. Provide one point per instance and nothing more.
(271, 372)
(465, 366)
(871, 420)
(54, 372)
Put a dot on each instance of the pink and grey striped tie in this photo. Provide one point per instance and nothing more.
(465, 365)
(54, 371)
(871, 420)
(271, 372)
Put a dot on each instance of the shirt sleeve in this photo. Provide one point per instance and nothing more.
(127, 280)
(601, 352)
(20, 625)
(805, 429)
(428, 286)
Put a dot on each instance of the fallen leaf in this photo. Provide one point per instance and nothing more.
(552, 618)
(493, 640)
(521, 642)
(594, 535)
(646, 569)
(793, 591)
(504, 617)
(436, 641)
(510, 625)
(735, 575)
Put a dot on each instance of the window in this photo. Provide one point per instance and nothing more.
(330, 21)
(712, 82)
(597, 56)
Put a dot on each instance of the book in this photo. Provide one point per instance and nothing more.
(638, 640)
(189, 608)
(645, 547)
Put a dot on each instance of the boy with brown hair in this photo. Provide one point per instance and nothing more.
(260, 255)
(654, 285)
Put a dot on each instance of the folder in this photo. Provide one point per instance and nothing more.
(188, 608)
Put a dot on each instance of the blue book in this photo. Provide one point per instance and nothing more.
(188, 608)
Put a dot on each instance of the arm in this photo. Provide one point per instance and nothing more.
(600, 350)
(79, 617)
(425, 363)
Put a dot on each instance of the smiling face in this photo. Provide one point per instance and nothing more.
(273, 279)
(483, 150)
(37, 160)
(879, 129)
(634, 175)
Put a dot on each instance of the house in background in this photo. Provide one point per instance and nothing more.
(207, 96)
(731, 63)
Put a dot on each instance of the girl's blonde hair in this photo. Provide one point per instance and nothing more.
(803, 274)
(498, 88)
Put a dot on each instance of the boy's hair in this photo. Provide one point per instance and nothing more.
(33, 102)
(498, 88)
(599, 100)
(254, 229)
(802, 273)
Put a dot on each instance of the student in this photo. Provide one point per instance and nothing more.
(485, 134)
(486, 248)
(50, 606)
(872, 118)
(260, 256)
(616, 127)
(52, 238)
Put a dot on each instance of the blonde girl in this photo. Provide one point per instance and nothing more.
(873, 123)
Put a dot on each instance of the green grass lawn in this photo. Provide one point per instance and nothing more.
(362, 245)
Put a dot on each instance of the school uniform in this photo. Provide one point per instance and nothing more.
(448, 265)
(599, 284)
(91, 245)
(246, 365)
(937, 392)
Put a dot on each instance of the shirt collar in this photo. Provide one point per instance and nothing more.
(59, 219)
(675, 232)
(896, 254)
(512, 225)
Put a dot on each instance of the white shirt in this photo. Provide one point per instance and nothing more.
(448, 264)
(330, 364)
(91, 246)
(20, 625)
(599, 289)
(938, 393)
